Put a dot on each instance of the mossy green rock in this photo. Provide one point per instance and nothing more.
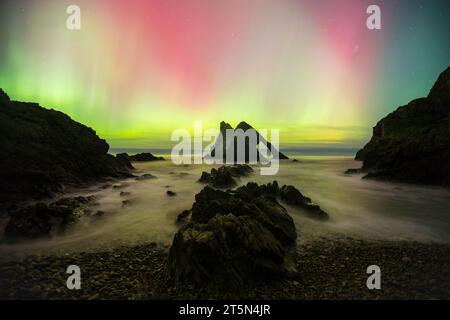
(234, 237)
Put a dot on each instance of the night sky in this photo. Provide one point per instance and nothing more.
(139, 69)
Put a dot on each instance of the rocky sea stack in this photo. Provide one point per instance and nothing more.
(412, 144)
(44, 150)
(228, 147)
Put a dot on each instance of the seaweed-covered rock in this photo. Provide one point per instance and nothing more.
(233, 238)
(224, 176)
(292, 196)
(145, 176)
(39, 220)
(412, 144)
(30, 222)
(227, 251)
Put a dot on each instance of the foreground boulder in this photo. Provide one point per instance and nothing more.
(224, 177)
(412, 144)
(233, 238)
(44, 150)
(41, 220)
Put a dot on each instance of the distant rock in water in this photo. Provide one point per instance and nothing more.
(352, 171)
(170, 193)
(249, 148)
(145, 176)
(224, 177)
(412, 144)
(293, 197)
(44, 150)
(140, 157)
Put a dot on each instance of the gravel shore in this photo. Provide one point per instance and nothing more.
(327, 269)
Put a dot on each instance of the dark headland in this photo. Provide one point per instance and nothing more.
(44, 151)
(412, 144)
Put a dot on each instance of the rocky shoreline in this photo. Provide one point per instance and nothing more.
(328, 268)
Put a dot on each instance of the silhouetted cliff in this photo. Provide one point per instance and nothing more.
(42, 150)
(412, 144)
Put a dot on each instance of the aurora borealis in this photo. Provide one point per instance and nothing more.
(139, 69)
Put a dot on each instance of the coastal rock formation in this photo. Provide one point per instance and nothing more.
(237, 236)
(293, 197)
(40, 220)
(140, 157)
(44, 150)
(231, 146)
(224, 177)
(412, 144)
(233, 238)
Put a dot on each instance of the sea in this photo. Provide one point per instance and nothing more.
(358, 208)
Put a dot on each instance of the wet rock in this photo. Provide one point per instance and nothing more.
(170, 193)
(352, 171)
(31, 222)
(184, 216)
(294, 197)
(146, 176)
(124, 193)
(224, 176)
(233, 238)
(38, 220)
(99, 214)
(126, 203)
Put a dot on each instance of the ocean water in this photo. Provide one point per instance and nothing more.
(357, 207)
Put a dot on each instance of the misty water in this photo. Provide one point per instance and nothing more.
(357, 207)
